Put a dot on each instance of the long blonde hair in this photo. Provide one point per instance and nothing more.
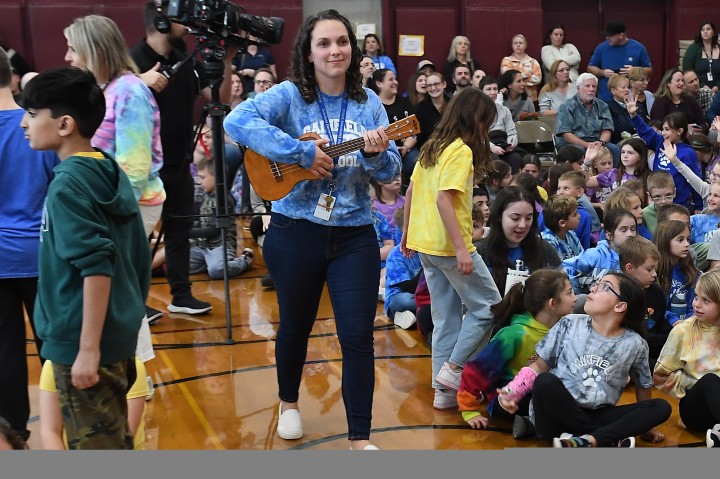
(709, 285)
(98, 41)
(552, 83)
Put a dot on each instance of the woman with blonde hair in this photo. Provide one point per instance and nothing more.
(130, 131)
(529, 67)
(558, 89)
(638, 88)
(459, 55)
(671, 97)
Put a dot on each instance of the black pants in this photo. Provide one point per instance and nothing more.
(556, 412)
(700, 408)
(177, 223)
(14, 400)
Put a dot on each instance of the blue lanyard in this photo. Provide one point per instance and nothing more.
(326, 120)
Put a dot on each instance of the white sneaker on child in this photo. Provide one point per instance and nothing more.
(404, 319)
(449, 378)
(445, 399)
(289, 424)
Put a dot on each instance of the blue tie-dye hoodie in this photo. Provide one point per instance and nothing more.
(271, 123)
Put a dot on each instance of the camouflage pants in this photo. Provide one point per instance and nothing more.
(96, 417)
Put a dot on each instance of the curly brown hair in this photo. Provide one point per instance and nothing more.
(302, 71)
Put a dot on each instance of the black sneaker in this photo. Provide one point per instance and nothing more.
(522, 427)
(266, 281)
(153, 314)
(189, 305)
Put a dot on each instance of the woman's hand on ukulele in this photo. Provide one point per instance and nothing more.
(322, 164)
(376, 141)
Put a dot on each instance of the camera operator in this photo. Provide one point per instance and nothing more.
(176, 97)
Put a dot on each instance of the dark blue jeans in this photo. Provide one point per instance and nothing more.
(301, 256)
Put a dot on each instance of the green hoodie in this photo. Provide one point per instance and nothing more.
(91, 226)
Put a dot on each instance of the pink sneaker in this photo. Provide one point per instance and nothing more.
(445, 399)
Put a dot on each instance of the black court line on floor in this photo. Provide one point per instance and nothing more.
(423, 427)
(273, 366)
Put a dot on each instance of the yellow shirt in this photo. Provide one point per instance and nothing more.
(452, 171)
(138, 389)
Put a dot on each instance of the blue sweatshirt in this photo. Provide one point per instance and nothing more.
(703, 227)
(677, 285)
(685, 194)
(583, 229)
(590, 266)
(271, 123)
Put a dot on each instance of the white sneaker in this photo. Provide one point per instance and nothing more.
(369, 447)
(445, 399)
(404, 319)
(448, 377)
(289, 424)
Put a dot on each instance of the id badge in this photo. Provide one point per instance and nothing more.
(709, 76)
(324, 207)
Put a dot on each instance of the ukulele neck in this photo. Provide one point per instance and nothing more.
(344, 147)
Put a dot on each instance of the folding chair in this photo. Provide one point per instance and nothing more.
(535, 136)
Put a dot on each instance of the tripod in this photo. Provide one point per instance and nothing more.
(213, 70)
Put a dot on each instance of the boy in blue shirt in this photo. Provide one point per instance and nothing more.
(94, 262)
(401, 279)
(561, 215)
(572, 184)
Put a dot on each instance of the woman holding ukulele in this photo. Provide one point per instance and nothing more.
(323, 228)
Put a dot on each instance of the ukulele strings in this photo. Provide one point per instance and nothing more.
(342, 148)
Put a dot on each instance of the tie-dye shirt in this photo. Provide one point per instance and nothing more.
(271, 124)
(690, 352)
(512, 348)
(592, 367)
(130, 133)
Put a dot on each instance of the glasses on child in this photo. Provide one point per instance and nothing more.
(433, 85)
(605, 286)
(663, 198)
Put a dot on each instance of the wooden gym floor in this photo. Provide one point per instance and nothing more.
(213, 394)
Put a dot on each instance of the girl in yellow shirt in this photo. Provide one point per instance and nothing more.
(439, 227)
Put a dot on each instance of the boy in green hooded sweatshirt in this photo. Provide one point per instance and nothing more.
(94, 262)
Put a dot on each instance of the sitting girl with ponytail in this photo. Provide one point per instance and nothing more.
(523, 317)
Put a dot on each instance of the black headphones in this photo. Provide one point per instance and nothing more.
(161, 21)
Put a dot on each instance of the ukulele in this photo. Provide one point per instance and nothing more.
(273, 180)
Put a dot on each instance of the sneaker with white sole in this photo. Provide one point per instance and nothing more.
(153, 314)
(712, 438)
(448, 377)
(626, 442)
(248, 255)
(445, 399)
(369, 447)
(189, 305)
(289, 424)
(404, 319)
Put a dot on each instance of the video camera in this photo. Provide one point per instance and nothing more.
(223, 20)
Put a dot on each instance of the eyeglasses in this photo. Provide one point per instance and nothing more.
(264, 82)
(605, 286)
(433, 85)
(664, 198)
(563, 69)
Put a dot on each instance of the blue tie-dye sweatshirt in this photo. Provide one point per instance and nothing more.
(271, 123)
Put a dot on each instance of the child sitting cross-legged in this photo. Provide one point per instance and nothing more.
(401, 280)
(206, 251)
(582, 369)
(523, 317)
(561, 218)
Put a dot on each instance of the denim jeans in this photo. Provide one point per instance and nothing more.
(456, 339)
(211, 260)
(401, 302)
(301, 256)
